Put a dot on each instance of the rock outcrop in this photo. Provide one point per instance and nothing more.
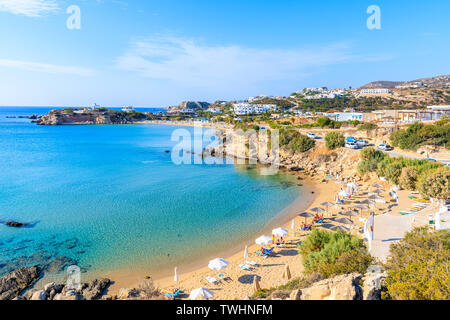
(345, 287)
(12, 284)
(98, 116)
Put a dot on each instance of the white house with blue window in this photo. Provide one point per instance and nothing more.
(346, 116)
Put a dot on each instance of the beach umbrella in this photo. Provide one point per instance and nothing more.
(256, 285)
(335, 228)
(377, 186)
(361, 206)
(343, 221)
(344, 194)
(264, 240)
(201, 293)
(349, 214)
(327, 204)
(280, 232)
(287, 273)
(175, 278)
(364, 202)
(378, 191)
(318, 210)
(306, 215)
(218, 264)
(326, 225)
(246, 252)
(293, 225)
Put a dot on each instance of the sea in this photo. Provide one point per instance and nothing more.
(109, 197)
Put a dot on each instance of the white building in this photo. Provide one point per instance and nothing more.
(247, 108)
(187, 111)
(375, 91)
(213, 110)
(127, 109)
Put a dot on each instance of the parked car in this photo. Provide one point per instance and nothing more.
(385, 147)
(351, 145)
(362, 143)
(351, 140)
(312, 135)
(432, 160)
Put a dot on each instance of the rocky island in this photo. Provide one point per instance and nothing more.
(92, 116)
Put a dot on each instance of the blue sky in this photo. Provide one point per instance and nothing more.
(158, 53)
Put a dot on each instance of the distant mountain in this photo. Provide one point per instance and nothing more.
(434, 82)
(382, 84)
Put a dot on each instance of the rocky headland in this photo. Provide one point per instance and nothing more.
(96, 116)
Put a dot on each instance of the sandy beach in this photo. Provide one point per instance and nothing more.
(269, 271)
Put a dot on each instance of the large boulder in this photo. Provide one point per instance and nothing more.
(344, 287)
(373, 282)
(95, 289)
(39, 295)
(12, 284)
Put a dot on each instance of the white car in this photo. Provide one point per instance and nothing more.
(362, 143)
(385, 147)
(312, 136)
(352, 145)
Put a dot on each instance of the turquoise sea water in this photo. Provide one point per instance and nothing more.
(109, 198)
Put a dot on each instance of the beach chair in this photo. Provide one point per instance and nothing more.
(251, 263)
(246, 267)
(174, 295)
(307, 227)
(224, 277)
(212, 280)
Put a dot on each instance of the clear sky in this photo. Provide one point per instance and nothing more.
(157, 53)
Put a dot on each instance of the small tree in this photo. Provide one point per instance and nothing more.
(334, 140)
(418, 266)
(435, 183)
(408, 178)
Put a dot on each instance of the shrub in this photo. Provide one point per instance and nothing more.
(368, 126)
(418, 266)
(435, 183)
(408, 178)
(393, 172)
(419, 134)
(367, 166)
(372, 154)
(323, 122)
(334, 140)
(329, 253)
(295, 141)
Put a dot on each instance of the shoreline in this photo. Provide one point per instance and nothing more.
(126, 278)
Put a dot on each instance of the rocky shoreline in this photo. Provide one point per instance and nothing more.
(90, 117)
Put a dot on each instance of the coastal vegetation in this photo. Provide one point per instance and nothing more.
(367, 127)
(334, 140)
(419, 134)
(334, 253)
(295, 142)
(418, 266)
(431, 179)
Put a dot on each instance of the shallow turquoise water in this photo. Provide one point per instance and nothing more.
(109, 197)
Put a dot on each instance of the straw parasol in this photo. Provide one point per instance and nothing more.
(246, 252)
(318, 210)
(201, 293)
(377, 186)
(256, 285)
(287, 273)
(343, 221)
(306, 215)
(349, 214)
(342, 228)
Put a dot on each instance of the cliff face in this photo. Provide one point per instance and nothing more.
(61, 117)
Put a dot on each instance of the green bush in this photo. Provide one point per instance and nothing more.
(408, 178)
(419, 134)
(295, 141)
(435, 183)
(372, 154)
(334, 140)
(329, 253)
(393, 172)
(367, 166)
(367, 127)
(418, 266)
